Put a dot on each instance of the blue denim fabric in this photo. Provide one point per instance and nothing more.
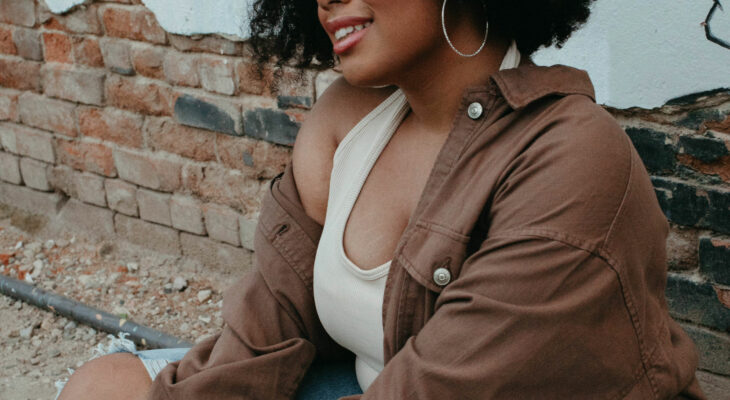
(322, 382)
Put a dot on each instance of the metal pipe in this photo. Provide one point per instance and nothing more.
(86, 315)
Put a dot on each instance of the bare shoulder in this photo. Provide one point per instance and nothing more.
(334, 114)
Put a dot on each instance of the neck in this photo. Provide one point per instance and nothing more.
(434, 90)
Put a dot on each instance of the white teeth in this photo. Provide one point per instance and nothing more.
(342, 32)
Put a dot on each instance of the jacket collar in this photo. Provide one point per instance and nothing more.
(529, 82)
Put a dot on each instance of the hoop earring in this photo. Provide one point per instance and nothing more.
(443, 26)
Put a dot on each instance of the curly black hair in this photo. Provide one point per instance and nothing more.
(288, 31)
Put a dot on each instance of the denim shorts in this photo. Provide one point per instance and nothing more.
(322, 382)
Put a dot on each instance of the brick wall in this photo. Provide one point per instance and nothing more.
(113, 125)
(685, 146)
(116, 126)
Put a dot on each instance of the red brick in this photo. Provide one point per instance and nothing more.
(28, 43)
(86, 51)
(153, 171)
(234, 152)
(208, 44)
(295, 83)
(140, 95)
(9, 105)
(81, 20)
(18, 12)
(216, 74)
(250, 81)
(10, 168)
(181, 69)
(27, 141)
(117, 55)
(73, 83)
(148, 234)
(49, 114)
(136, 23)
(148, 60)
(86, 156)
(57, 47)
(229, 187)
(6, 41)
(221, 222)
(164, 134)
(112, 125)
(20, 74)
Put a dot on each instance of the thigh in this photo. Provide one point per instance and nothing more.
(329, 381)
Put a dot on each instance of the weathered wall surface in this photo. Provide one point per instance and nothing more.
(114, 124)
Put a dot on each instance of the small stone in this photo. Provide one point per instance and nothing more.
(71, 325)
(62, 243)
(184, 327)
(26, 333)
(37, 267)
(18, 245)
(35, 361)
(54, 352)
(132, 267)
(55, 332)
(47, 324)
(179, 284)
(204, 318)
(204, 295)
(49, 244)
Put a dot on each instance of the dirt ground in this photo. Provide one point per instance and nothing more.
(176, 295)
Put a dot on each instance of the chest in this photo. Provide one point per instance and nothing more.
(389, 196)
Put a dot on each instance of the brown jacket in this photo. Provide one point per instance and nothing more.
(544, 216)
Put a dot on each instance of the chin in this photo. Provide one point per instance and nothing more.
(363, 71)
(364, 78)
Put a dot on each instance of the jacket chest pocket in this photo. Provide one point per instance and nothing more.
(433, 255)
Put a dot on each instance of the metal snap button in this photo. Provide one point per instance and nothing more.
(442, 276)
(475, 110)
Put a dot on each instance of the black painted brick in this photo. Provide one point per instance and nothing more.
(270, 125)
(692, 205)
(198, 113)
(696, 118)
(696, 302)
(713, 348)
(714, 255)
(703, 148)
(658, 156)
(284, 102)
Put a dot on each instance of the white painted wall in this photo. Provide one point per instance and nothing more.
(61, 6)
(638, 53)
(188, 17)
(643, 53)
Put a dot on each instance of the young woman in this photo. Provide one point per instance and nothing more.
(456, 223)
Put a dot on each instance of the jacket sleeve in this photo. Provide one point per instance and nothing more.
(271, 331)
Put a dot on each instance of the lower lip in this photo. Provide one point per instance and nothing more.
(348, 42)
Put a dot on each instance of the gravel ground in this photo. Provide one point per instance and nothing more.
(176, 295)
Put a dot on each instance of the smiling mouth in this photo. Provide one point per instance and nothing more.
(347, 31)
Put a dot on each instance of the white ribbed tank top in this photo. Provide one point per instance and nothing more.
(349, 299)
